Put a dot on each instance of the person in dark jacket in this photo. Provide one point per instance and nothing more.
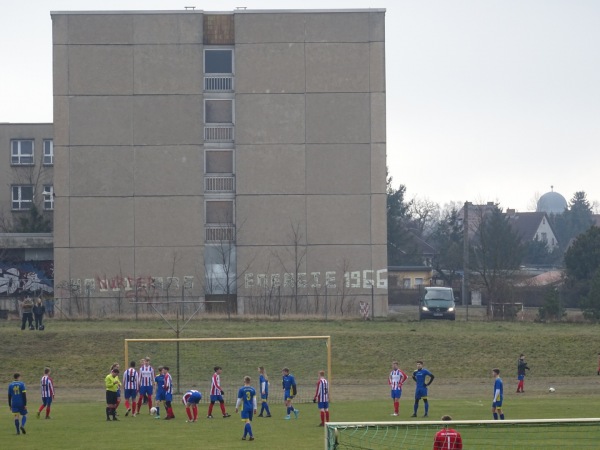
(38, 313)
(521, 368)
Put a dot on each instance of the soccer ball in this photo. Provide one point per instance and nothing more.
(551, 389)
(153, 411)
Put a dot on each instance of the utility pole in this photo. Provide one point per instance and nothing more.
(465, 286)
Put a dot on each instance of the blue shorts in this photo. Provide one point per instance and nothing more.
(130, 393)
(168, 397)
(46, 401)
(521, 377)
(287, 394)
(264, 396)
(497, 404)
(216, 398)
(195, 398)
(119, 393)
(160, 396)
(421, 393)
(323, 405)
(19, 410)
(247, 414)
(396, 393)
(145, 390)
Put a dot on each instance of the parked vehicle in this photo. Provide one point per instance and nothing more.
(437, 303)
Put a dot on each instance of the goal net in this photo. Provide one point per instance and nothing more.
(475, 434)
(191, 362)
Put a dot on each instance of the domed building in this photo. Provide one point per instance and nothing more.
(551, 203)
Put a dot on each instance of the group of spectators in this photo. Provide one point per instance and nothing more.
(32, 312)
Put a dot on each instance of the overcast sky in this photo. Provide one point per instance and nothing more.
(487, 100)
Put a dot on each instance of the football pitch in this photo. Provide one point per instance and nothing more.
(82, 425)
(460, 355)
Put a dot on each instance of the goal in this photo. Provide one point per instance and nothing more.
(480, 434)
(191, 361)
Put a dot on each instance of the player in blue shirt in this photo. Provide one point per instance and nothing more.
(246, 398)
(159, 381)
(263, 386)
(420, 376)
(498, 395)
(289, 392)
(17, 402)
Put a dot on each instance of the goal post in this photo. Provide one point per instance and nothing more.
(191, 361)
(530, 434)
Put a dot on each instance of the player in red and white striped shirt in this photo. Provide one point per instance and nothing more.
(322, 397)
(216, 394)
(146, 383)
(47, 386)
(396, 380)
(168, 388)
(131, 385)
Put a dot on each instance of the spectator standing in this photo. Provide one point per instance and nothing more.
(27, 313)
(38, 313)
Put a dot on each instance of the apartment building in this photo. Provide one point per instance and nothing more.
(238, 154)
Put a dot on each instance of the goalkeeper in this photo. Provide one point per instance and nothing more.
(289, 392)
(447, 438)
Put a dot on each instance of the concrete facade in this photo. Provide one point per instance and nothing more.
(27, 160)
(278, 167)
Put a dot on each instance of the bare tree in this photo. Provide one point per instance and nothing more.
(297, 255)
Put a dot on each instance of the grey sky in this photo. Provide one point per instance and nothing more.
(487, 100)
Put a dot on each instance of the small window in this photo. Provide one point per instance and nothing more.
(418, 281)
(49, 197)
(218, 111)
(218, 61)
(406, 283)
(219, 161)
(48, 152)
(22, 197)
(21, 152)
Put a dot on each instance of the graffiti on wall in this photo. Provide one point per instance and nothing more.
(26, 278)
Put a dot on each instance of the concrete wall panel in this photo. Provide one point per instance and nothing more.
(252, 28)
(377, 67)
(168, 170)
(101, 171)
(100, 70)
(337, 27)
(100, 28)
(60, 64)
(167, 119)
(101, 222)
(101, 263)
(169, 221)
(337, 67)
(184, 28)
(379, 219)
(270, 219)
(337, 169)
(168, 69)
(378, 169)
(378, 117)
(270, 68)
(338, 219)
(338, 118)
(269, 119)
(100, 120)
(270, 169)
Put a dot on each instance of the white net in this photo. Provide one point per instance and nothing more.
(191, 361)
(485, 434)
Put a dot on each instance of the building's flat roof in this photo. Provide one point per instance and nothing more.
(235, 11)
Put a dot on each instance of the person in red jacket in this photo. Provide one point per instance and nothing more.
(447, 438)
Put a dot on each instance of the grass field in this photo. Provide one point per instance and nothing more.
(460, 355)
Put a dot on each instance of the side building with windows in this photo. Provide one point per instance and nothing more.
(26, 210)
(234, 156)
